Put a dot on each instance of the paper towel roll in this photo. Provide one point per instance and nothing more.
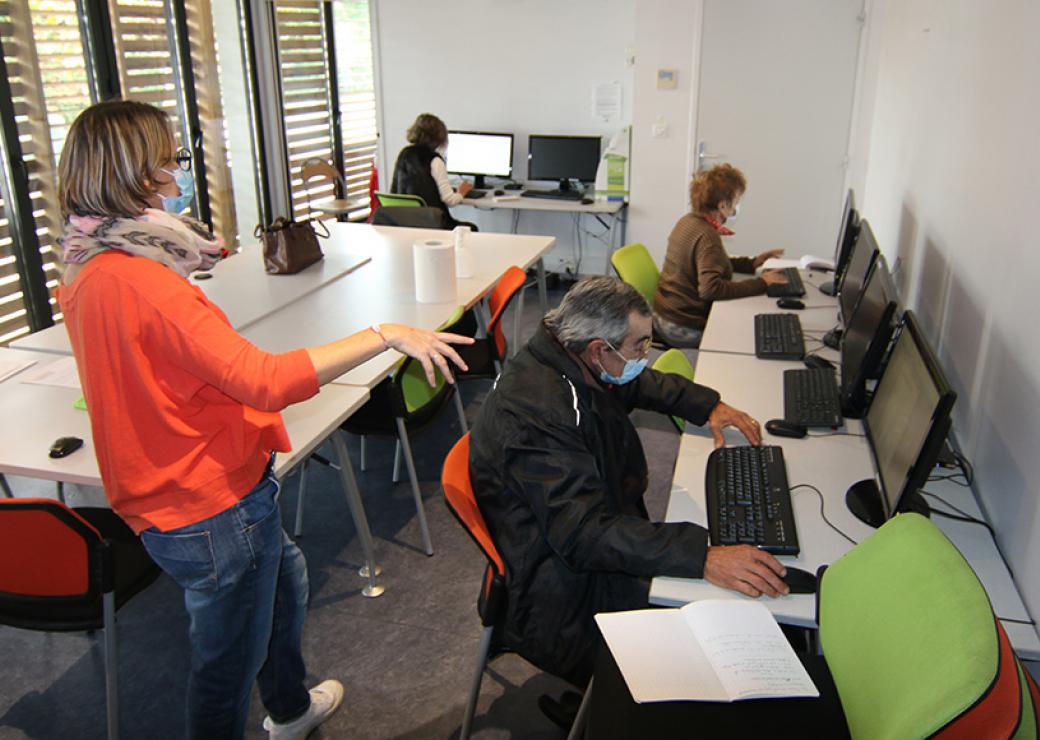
(434, 262)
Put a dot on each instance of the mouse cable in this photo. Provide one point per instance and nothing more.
(822, 514)
(966, 467)
(960, 516)
(835, 434)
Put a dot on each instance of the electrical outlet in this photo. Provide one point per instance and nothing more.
(565, 266)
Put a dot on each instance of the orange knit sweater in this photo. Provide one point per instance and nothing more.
(183, 410)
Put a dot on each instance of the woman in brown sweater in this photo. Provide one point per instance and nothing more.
(697, 269)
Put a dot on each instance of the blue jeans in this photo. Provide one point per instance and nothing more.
(245, 589)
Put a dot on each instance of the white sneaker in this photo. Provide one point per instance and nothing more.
(325, 700)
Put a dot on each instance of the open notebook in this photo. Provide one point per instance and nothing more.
(712, 650)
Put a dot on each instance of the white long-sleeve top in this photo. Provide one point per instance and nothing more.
(440, 176)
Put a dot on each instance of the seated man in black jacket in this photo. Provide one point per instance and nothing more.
(559, 474)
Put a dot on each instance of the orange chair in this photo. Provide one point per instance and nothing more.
(486, 356)
(458, 494)
(64, 570)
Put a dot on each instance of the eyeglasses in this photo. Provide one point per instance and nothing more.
(642, 347)
(183, 158)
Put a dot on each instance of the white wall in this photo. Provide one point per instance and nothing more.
(947, 163)
(524, 67)
(667, 35)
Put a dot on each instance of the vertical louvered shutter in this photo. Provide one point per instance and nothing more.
(357, 95)
(43, 54)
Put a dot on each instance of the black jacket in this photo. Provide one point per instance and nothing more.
(559, 474)
(412, 176)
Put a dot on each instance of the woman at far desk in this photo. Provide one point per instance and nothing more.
(421, 170)
(697, 270)
(185, 415)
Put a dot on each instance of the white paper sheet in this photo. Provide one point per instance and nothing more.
(61, 373)
(10, 367)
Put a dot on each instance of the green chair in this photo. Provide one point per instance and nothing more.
(399, 199)
(636, 267)
(912, 643)
(674, 361)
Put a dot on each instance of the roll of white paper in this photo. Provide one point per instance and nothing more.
(434, 262)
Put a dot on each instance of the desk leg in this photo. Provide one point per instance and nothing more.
(6, 488)
(357, 512)
(543, 295)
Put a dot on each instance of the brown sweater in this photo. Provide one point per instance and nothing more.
(697, 271)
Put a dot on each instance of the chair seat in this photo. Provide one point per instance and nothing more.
(339, 206)
(134, 571)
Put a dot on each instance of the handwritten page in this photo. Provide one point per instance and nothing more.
(9, 367)
(749, 653)
(658, 657)
(61, 373)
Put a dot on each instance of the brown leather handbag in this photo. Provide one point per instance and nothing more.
(290, 246)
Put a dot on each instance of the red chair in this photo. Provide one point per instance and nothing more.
(65, 570)
(458, 494)
(486, 356)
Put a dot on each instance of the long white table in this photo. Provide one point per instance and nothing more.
(731, 324)
(831, 464)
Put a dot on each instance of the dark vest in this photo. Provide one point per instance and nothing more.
(412, 177)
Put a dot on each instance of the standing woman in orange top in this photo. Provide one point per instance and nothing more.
(184, 415)
(697, 270)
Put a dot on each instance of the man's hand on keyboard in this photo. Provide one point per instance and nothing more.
(746, 569)
(724, 415)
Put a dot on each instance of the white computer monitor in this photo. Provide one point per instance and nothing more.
(480, 154)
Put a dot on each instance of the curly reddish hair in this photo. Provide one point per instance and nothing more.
(720, 184)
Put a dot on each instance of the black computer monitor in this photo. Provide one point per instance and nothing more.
(864, 252)
(847, 230)
(906, 426)
(866, 339)
(563, 158)
(480, 154)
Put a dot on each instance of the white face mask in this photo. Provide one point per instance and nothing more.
(733, 216)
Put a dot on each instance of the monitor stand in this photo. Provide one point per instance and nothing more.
(864, 501)
(479, 183)
(832, 338)
(829, 288)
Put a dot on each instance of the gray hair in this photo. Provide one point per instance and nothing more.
(595, 308)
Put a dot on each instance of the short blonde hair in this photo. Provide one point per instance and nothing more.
(710, 188)
(111, 154)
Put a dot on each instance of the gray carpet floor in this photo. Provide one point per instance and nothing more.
(406, 659)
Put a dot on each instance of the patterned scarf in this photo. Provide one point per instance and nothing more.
(179, 242)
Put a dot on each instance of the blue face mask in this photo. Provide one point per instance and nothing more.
(186, 185)
(630, 373)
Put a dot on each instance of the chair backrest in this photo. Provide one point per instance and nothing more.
(422, 217)
(636, 267)
(47, 551)
(458, 493)
(674, 361)
(416, 391)
(399, 199)
(503, 292)
(910, 638)
(317, 168)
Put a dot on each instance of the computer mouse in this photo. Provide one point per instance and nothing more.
(500, 192)
(815, 361)
(785, 428)
(792, 303)
(202, 275)
(800, 581)
(587, 201)
(63, 446)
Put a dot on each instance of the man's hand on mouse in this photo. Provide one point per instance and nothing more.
(746, 569)
(724, 415)
(465, 187)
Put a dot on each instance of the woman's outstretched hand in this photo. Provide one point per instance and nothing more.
(430, 348)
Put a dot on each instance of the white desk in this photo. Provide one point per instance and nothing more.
(831, 464)
(511, 202)
(731, 324)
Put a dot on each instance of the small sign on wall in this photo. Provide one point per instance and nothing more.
(667, 79)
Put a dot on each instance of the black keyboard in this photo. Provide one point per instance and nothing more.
(811, 397)
(792, 289)
(749, 500)
(778, 336)
(554, 194)
(474, 193)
